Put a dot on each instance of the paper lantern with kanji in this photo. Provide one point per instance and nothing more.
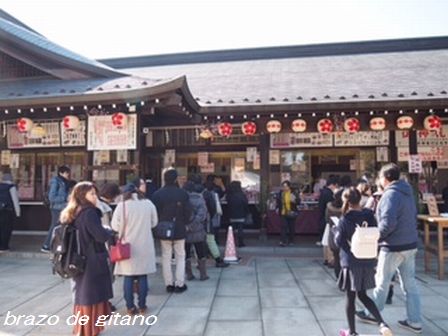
(352, 125)
(70, 122)
(432, 123)
(325, 126)
(119, 120)
(24, 125)
(377, 124)
(298, 125)
(274, 126)
(249, 128)
(405, 122)
(225, 129)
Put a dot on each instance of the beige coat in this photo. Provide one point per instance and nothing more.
(141, 218)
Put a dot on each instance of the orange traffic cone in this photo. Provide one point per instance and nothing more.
(230, 254)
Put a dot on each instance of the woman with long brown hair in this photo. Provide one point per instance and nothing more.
(93, 288)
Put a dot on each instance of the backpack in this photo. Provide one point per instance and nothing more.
(67, 260)
(364, 243)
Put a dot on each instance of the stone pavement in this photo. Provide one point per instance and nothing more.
(291, 293)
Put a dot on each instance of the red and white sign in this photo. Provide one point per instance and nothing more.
(436, 138)
(70, 122)
(432, 123)
(425, 153)
(119, 120)
(17, 139)
(102, 134)
(415, 164)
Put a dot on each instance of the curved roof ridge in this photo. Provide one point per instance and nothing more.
(18, 32)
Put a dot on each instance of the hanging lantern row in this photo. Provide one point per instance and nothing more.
(249, 128)
(225, 129)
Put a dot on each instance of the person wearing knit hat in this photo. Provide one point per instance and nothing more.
(9, 206)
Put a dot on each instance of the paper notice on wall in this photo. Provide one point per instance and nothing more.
(122, 155)
(15, 161)
(170, 158)
(382, 154)
(274, 157)
(240, 165)
(251, 153)
(433, 209)
(6, 158)
(442, 164)
(202, 159)
(415, 164)
(353, 164)
(257, 162)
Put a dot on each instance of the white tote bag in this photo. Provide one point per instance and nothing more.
(326, 236)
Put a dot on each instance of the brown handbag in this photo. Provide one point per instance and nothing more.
(121, 251)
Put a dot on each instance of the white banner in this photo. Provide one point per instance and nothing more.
(424, 138)
(361, 139)
(51, 138)
(103, 135)
(301, 140)
(426, 153)
(75, 137)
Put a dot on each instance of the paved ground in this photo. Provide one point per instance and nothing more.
(288, 294)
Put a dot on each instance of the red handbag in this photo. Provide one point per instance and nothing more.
(121, 251)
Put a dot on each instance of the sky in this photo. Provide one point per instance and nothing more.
(119, 28)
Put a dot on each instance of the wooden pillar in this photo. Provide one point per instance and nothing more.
(393, 147)
(264, 181)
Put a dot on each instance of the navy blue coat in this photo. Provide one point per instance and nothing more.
(95, 284)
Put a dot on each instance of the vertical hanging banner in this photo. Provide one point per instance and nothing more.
(102, 134)
(382, 154)
(6, 158)
(122, 156)
(170, 158)
(274, 157)
(251, 154)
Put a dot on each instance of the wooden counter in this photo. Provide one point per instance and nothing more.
(440, 223)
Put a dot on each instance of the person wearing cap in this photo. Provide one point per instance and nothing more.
(173, 204)
(9, 206)
(58, 196)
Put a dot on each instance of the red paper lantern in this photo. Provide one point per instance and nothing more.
(432, 123)
(352, 125)
(249, 128)
(377, 124)
(119, 120)
(70, 122)
(405, 122)
(24, 125)
(274, 126)
(325, 126)
(225, 129)
(298, 125)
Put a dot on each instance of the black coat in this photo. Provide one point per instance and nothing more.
(95, 284)
(237, 204)
(326, 195)
(173, 203)
(294, 206)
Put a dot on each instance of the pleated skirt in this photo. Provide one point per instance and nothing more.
(356, 279)
(93, 311)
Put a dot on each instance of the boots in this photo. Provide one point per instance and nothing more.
(203, 269)
(221, 263)
(188, 271)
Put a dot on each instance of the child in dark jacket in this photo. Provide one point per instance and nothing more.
(357, 275)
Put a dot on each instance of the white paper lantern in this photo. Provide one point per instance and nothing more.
(432, 123)
(274, 126)
(352, 125)
(405, 123)
(325, 126)
(119, 120)
(298, 125)
(377, 124)
(70, 122)
(24, 125)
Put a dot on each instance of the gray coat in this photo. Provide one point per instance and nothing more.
(196, 227)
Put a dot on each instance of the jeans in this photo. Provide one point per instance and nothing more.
(54, 222)
(288, 229)
(388, 263)
(179, 254)
(128, 288)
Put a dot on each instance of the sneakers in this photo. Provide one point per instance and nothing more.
(282, 244)
(179, 290)
(170, 288)
(45, 249)
(345, 332)
(405, 325)
(385, 330)
(365, 318)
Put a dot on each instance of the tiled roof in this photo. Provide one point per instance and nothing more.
(387, 76)
(17, 33)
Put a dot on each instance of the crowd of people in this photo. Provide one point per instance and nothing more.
(134, 214)
(390, 206)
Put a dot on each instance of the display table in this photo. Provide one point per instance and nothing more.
(306, 223)
(440, 223)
